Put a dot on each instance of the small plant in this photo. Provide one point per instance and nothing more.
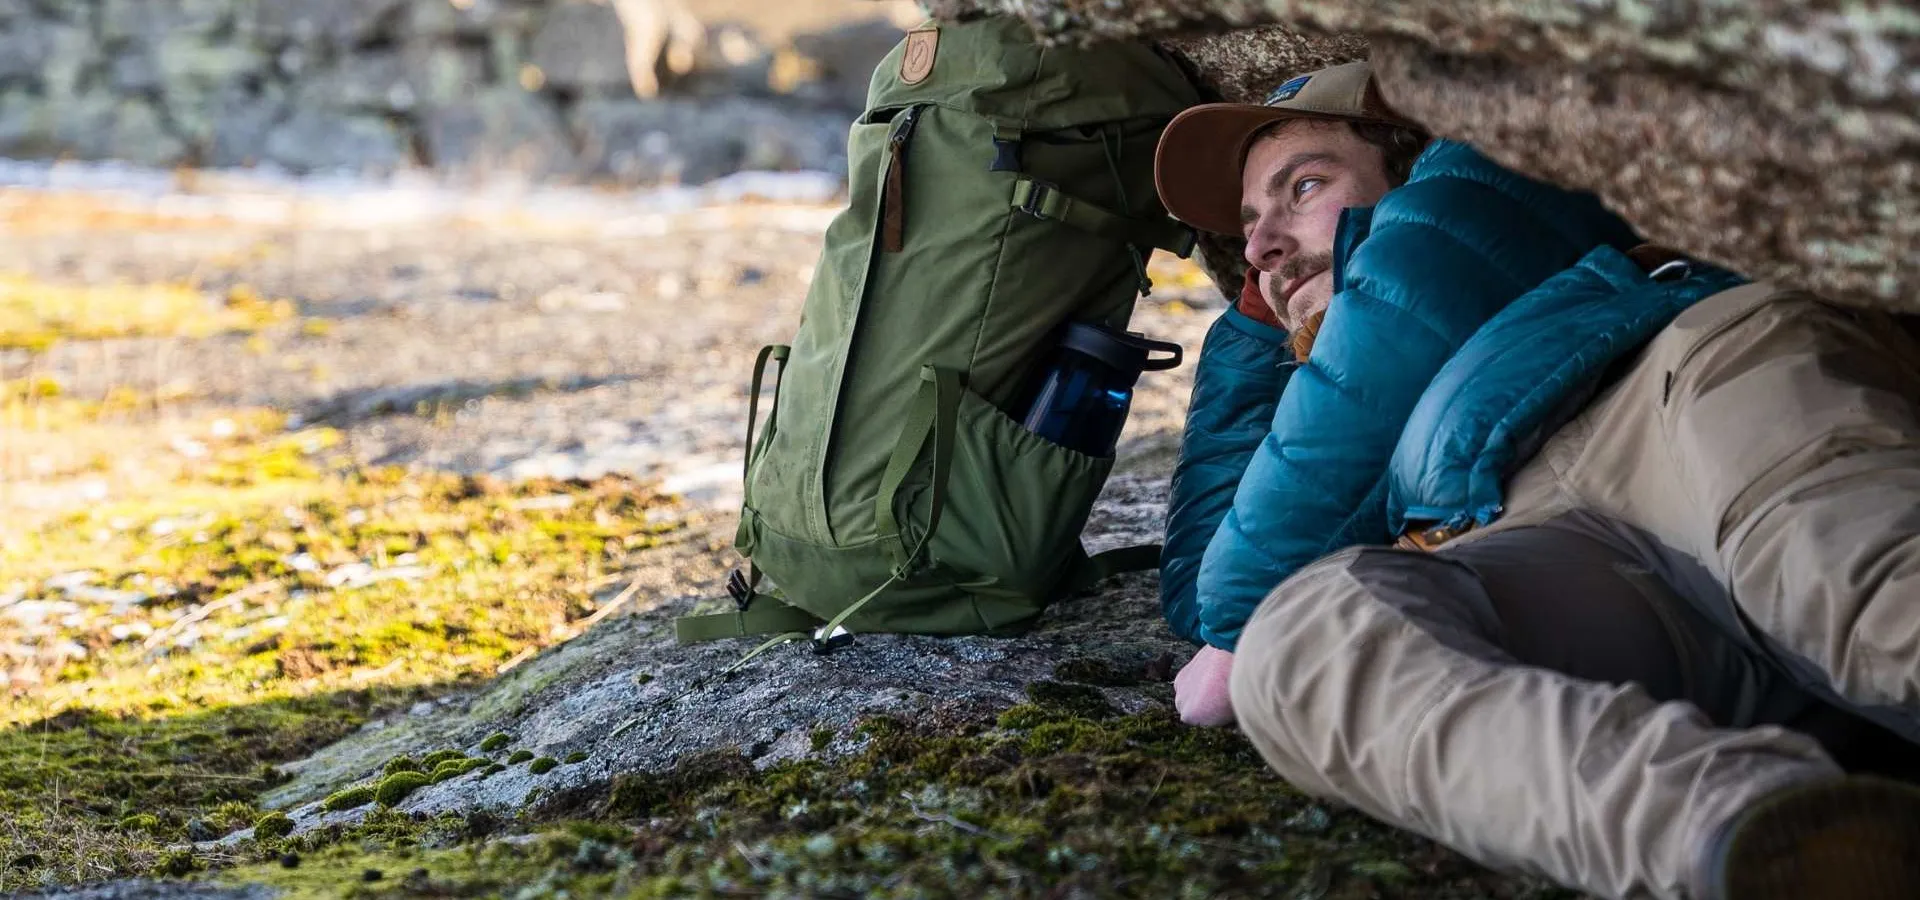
(395, 788)
(176, 864)
(543, 765)
(140, 822)
(401, 763)
(495, 742)
(434, 759)
(272, 825)
(519, 756)
(577, 756)
(356, 796)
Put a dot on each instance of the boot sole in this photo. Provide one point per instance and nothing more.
(1857, 839)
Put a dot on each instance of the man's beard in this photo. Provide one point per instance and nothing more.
(1298, 307)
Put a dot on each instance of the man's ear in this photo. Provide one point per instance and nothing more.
(1304, 335)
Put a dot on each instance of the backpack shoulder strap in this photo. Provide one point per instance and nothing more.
(1044, 201)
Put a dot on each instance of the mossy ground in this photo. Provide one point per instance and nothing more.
(269, 602)
(167, 651)
(1055, 798)
(35, 314)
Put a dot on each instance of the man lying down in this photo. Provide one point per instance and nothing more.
(1580, 557)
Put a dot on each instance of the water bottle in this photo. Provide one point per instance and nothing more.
(1081, 399)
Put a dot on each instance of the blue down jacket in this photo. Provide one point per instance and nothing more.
(1244, 365)
(1415, 277)
(1520, 378)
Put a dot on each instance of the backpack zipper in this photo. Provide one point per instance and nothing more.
(893, 195)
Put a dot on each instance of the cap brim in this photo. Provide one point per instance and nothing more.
(1196, 167)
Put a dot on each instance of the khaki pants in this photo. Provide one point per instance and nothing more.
(1648, 640)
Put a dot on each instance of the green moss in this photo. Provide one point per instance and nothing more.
(232, 815)
(1023, 716)
(495, 742)
(35, 314)
(400, 764)
(492, 769)
(140, 822)
(1135, 805)
(454, 768)
(432, 760)
(577, 756)
(350, 798)
(1097, 671)
(176, 863)
(272, 825)
(519, 756)
(644, 793)
(395, 788)
(821, 738)
(543, 765)
(194, 731)
(1073, 735)
(1070, 699)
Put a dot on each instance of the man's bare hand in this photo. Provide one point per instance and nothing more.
(1200, 690)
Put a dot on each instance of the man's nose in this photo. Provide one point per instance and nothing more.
(1268, 245)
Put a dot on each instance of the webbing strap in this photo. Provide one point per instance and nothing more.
(778, 353)
(1047, 202)
(933, 412)
(826, 631)
(1107, 563)
(765, 616)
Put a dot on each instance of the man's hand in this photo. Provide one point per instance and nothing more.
(1200, 690)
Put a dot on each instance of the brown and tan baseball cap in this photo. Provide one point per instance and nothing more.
(1197, 165)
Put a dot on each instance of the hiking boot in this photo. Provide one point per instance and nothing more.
(1852, 838)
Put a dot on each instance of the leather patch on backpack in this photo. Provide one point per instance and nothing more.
(916, 62)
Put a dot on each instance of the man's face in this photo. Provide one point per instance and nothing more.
(1297, 179)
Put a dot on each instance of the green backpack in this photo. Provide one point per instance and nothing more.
(998, 189)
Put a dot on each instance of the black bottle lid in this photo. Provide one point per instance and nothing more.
(1129, 353)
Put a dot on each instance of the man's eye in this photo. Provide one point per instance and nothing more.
(1305, 185)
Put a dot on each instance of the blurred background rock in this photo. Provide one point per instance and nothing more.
(631, 91)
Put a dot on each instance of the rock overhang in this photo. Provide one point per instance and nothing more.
(1778, 138)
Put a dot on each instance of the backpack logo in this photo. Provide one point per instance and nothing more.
(1287, 91)
(916, 62)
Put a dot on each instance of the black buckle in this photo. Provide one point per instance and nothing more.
(739, 590)
(1006, 156)
(1035, 197)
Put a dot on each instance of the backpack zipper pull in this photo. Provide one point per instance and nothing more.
(893, 198)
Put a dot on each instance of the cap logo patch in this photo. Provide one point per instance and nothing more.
(916, 62)
(1286, 91)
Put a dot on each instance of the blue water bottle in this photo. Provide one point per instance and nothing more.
(1084, 392)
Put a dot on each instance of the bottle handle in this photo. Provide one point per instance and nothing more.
(1163, 363)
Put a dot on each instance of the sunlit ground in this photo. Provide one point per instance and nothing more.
(196, 592)
(190, 595)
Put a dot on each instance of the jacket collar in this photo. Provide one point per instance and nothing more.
(1354, 225)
